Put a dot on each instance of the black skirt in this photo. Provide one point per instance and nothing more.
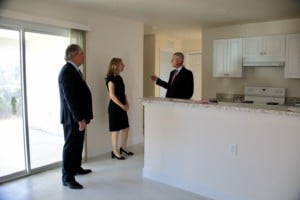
(118, 119)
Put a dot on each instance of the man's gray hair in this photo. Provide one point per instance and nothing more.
(179, 55)
(72, 50)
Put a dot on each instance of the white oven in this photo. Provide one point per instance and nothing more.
(264, 95)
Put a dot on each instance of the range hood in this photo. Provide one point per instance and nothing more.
(253, 62)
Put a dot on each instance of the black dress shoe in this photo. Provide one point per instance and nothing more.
(72, 184)
(126, 152)
(82, 171)
(114, 156)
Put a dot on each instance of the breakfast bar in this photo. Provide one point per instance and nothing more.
(224, 151)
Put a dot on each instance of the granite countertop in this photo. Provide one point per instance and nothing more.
(272, 109)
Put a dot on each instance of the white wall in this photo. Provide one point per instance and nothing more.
(109, 37)
(149, 65)
(192, 45)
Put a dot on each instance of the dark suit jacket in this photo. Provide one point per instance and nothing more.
(75, 96)
(182, 86)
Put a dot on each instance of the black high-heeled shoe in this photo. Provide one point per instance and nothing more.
(114, 156)
(127, 153)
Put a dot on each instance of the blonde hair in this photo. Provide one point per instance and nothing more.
(113, 66)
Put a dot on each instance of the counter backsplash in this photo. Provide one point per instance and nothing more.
(224, 97)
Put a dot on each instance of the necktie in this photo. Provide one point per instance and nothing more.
(80, 72)
(174, 75)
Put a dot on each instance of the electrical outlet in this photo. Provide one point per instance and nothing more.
(233, 149)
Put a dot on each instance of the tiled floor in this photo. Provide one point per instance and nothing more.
(111, 180)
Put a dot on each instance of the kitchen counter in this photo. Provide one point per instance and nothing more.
(223, 151)
(271, 109)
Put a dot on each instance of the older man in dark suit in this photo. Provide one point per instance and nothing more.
(76, 113)
(181, 80)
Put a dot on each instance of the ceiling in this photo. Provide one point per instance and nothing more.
(190, 16)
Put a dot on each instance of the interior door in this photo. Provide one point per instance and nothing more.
(194, 63)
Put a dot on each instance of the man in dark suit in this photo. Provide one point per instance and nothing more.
(76, 113)
(181, 81)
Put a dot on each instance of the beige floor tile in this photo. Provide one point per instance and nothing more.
(111, 180)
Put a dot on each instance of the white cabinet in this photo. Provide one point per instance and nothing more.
(227, 58)
(264, 46)
(292, 62)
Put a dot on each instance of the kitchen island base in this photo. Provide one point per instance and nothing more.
(224, 153)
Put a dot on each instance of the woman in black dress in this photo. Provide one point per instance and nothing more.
(117, 108)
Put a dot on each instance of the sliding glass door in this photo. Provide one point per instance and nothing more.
(11, 106)
(44, 55)
(31, 133)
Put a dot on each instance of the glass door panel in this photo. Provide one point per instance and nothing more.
(44, 59)
(12, 154)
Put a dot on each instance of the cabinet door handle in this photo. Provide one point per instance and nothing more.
(226, 74)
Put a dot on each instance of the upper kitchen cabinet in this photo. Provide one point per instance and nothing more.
(227, 58)
(292, 63)
(264, 50)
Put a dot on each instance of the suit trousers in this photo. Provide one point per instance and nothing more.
(72, 150)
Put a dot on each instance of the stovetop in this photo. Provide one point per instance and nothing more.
(264, 95)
